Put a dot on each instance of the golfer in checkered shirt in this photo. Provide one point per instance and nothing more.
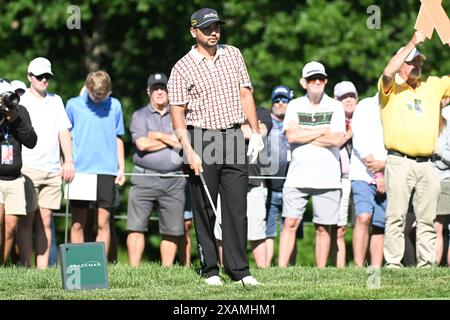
(210, 93)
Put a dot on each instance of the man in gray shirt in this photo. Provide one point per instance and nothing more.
(156, 152)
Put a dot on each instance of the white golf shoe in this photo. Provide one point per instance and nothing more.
(214, 281)
(249, 281)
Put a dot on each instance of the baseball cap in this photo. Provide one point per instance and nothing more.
(40, 66)
(414, 53)
(157, 78)
(18, 85)
(5, 86)
(204, 17)
(282, 91)
(344, 87)
(312, 68)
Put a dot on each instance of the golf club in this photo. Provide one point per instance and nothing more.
(205, 187)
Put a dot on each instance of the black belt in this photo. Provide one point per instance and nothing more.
(235, 127)
(417, 159)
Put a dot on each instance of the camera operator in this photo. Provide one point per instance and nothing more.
(15, 130)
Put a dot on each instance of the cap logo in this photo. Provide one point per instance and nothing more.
(194, 22)
(210, 15)
(157, 76)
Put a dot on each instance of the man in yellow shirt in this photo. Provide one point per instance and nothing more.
(410, 111)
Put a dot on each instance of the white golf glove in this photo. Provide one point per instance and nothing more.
(255, 145)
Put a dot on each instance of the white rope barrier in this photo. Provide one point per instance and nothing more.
(163, 175)
(173, 175)
(123, 216)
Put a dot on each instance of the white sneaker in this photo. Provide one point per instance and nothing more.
(393, 266)
(249, 281)
(214, 281)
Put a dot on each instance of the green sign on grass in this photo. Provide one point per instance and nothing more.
(84, 266)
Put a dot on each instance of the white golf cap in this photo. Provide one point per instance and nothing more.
(5, 86)
(313, 68)
(414, 53)
(343, 88)
(18, 85)
(40, 66)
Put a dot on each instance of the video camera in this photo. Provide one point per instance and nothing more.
(9, 100)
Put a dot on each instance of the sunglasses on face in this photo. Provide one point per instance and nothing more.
(280, 99)
(314, 79)
(45, 76)
(415, 61)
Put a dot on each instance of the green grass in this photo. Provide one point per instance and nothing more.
(150, 281)
(300, 282)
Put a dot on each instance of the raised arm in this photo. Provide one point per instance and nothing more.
(397, 61)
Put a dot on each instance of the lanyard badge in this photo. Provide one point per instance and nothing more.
(7, 153)
(6, 148)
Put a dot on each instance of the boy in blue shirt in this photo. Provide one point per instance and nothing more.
(97, 127)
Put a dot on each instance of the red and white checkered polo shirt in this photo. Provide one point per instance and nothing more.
(210, 89)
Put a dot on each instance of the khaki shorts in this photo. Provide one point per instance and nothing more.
(45, 191)
(325, 204)
(256, 215)
(12, 195)
(443, 207)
